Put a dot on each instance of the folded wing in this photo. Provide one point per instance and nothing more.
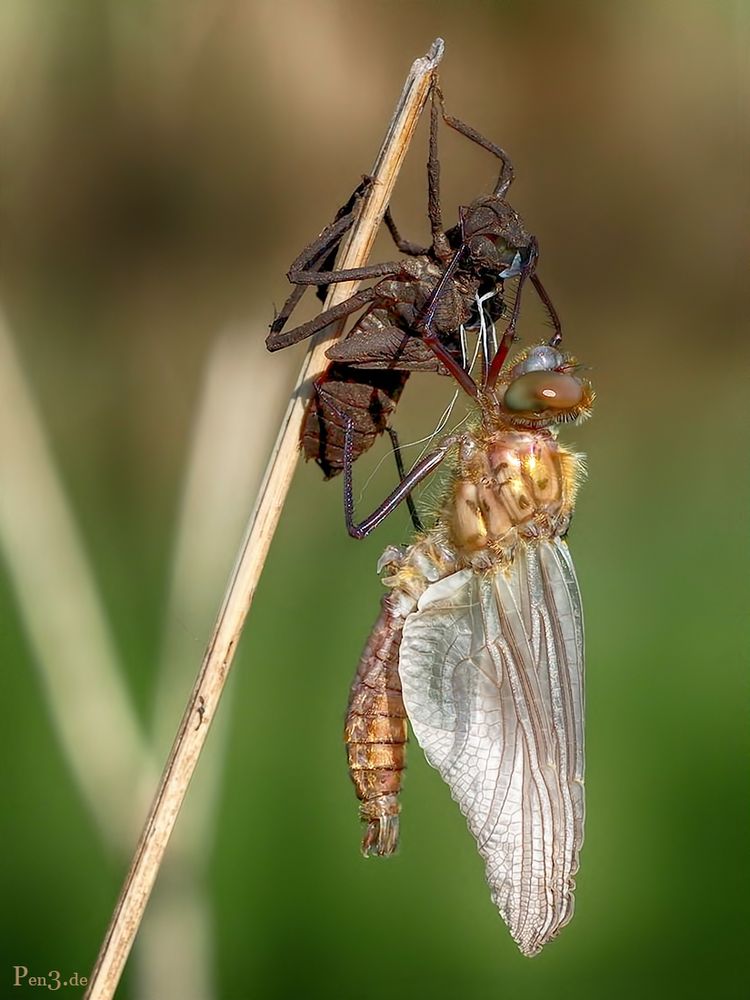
(492, 672)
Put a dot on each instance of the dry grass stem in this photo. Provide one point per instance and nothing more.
(229, 446)
(217, 661)
(228, 450)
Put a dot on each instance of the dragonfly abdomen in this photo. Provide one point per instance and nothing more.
(376, 733)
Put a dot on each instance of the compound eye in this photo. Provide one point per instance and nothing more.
(536, 392)
(542, 358)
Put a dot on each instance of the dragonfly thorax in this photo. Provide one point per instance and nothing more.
(510, 486)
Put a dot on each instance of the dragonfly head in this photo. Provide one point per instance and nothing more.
(544, 387)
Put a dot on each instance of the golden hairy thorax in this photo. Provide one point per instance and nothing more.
(510, 484)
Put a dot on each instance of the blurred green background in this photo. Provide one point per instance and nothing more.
(161, 164)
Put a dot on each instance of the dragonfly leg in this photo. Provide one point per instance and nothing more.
(323, 248)
(345, 212)
(405, 246)
(384, 270)
(541, 291)
(361, 530)
(278, 339)
(505, 179)
(424, 327)
(416, 474)
(510, 331)
(434, 211)
(303, 269)
(415, 518)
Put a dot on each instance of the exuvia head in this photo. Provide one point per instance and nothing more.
(494, 235)
(543, 387)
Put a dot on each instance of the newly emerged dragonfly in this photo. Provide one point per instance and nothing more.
(479, 644)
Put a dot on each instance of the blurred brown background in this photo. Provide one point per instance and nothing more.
(161, 163)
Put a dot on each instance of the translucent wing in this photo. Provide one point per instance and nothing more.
(492, 672)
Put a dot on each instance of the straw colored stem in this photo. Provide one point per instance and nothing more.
(213, 673)
(173, 953)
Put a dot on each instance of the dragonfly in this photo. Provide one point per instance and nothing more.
(479, 645)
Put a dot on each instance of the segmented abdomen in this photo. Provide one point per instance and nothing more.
(367, 398)
(376, 733)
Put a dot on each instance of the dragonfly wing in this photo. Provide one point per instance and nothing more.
(492, 672)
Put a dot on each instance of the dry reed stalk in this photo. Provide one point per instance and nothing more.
(226, 462)
(173, 954)
(212, 676)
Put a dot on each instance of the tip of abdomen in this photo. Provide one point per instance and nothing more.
(381, 835)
